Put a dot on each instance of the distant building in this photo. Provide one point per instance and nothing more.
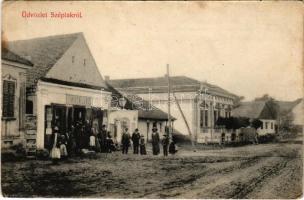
(262, 110)
(63, 87)
(13, 83)
(147, 114)
(293, 110)
(202, 103)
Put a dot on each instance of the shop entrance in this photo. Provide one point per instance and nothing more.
(65, 116)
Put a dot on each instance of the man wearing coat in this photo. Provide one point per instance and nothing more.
(125, 141)
(135, 140)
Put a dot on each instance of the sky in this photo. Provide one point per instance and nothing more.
(248, 48)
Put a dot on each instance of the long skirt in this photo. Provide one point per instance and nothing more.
(142, 148)
(92, 141)
(55, 153)
(97, 146)
(63, 150)
(156, 149)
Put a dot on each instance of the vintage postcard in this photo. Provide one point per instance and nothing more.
(150, 99)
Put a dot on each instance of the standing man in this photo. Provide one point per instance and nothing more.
(103, 138)
(125, 141)
(165, 143)
(135, 140)
(155, 141)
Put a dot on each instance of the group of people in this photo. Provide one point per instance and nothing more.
(80, 138)
(138, 141)
(85, 137)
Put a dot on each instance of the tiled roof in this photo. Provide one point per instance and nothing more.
(43, 52)
(159, 84)
(251, 109)
(287, 106)
(134, 102)
(153, 82)
(11, 56)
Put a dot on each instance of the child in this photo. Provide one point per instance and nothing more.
(63, 143)
(172, 148)
(142, 145)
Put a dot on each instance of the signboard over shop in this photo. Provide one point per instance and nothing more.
(79, 100)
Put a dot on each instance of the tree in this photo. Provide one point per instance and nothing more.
(256, 123)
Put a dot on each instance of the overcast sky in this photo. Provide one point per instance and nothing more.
(248, 48)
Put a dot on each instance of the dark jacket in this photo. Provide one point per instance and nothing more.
(126, 138)
(135, 138)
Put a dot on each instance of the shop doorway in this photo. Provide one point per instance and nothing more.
(64, 117)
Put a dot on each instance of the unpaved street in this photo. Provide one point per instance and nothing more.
(254, 171)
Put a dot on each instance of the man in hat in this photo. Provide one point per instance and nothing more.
(135, 140)
(155, 141)
(125, 141)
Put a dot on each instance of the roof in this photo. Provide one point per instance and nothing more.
(160, 84)
(287, 106)
(153, 82)
(134, 102)
(42, 52)
(250, 109)
(13, 57)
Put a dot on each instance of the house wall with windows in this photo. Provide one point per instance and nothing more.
(13, 102)
(268, 127)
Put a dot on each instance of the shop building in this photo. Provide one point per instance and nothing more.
(63, 87)
(13, 97)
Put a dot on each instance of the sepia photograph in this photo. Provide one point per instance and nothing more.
(152, 99)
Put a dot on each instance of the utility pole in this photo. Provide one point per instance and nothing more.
(169, 110)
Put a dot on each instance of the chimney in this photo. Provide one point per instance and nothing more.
(107, 78)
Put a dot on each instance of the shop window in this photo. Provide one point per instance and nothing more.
(8, 100)
(29, 107)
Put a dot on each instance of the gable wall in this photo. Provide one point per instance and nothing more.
(73, 69)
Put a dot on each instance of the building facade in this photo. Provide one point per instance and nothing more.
(64, 87)
(201, 103)
(13, 97)
(265, 111)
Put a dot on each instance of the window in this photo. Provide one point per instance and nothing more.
(262, 125)
(84, 62)
(266, 125)
(206, 118)
(8, 99)
(271, 125)
(29, 107)
(73, 59)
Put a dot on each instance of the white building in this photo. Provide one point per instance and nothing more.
(64, 86)
(13, 81)
(202, 103)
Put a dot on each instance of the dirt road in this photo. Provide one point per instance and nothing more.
(256, 171)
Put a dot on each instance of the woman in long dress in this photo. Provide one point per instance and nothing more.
(55, 151)
(155, 141)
